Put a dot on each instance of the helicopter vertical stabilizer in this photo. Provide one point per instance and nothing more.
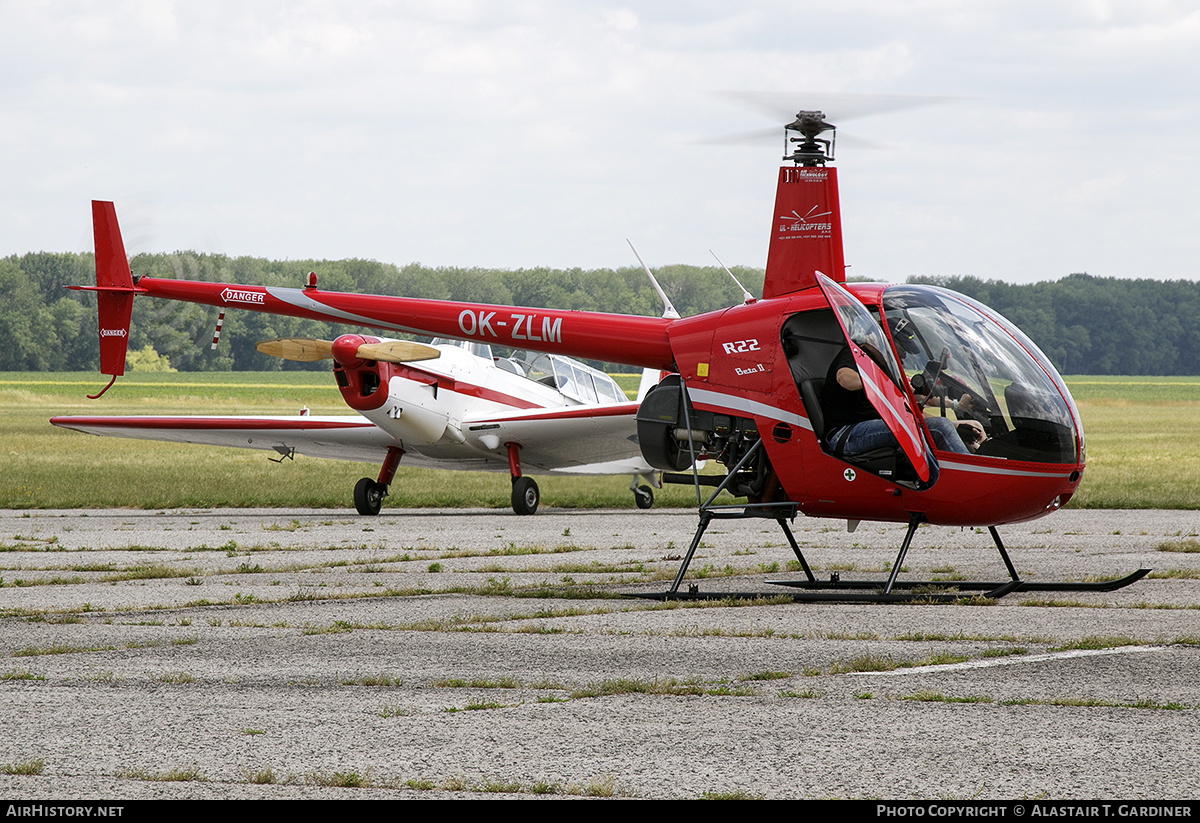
(114, 288)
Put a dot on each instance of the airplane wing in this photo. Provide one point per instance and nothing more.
(568, 440)
(337, 437)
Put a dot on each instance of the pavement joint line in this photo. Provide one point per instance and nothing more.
(1012, 660)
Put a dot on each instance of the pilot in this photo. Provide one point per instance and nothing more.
(905, 338)
(972, 433)
(853, 426)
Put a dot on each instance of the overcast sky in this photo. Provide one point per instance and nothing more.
(544, 132)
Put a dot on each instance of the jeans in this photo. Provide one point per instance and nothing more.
(874, 434)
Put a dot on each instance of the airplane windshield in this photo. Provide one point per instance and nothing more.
(572, 378)
(972, 364)
(478, 349)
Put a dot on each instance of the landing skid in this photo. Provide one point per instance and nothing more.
(854, 594)
(836, 590)
(970, 585)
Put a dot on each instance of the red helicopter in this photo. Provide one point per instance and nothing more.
(745, 384)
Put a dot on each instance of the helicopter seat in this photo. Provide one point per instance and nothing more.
(882, 461)
(1038, 431)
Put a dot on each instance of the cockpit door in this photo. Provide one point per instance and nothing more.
(879, 375)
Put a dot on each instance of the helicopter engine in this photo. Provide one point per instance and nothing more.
(673, 434)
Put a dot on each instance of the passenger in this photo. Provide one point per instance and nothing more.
(852, 424)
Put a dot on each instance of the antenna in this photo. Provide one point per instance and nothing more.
(747, 297)
(668, 309)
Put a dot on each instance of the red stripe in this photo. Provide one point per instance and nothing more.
(496, 397)
(620, 410)
(446, 383)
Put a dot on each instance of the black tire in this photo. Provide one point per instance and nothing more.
(368, 496)
(644, 497)
(525, 495)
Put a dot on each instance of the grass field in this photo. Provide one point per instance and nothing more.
(1143, 449)
(1143, 441)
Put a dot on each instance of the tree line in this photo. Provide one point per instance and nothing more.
(1099, 325)
(1085, 324)
(46, 327)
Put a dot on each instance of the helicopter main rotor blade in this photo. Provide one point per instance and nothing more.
(300, 349)
(837, 107)
(762, 137)
(397, 351)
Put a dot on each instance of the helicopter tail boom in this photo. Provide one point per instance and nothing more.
(617, 338)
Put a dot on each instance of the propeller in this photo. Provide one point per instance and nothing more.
(308, 349)
(398, 351)
(302, 349)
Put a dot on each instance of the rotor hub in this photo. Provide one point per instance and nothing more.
(812, 150)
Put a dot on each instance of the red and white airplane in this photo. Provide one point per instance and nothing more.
(449, 404)
(746, 383)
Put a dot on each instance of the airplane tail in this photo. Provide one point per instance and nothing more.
(114, 291)
(650, 379)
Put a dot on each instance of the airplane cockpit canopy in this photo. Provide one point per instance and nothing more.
(957, 347)
(570, 377)
(470, 346)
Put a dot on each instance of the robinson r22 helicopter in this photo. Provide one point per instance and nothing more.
(745, 383)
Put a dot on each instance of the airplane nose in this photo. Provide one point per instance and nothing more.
(345, 350)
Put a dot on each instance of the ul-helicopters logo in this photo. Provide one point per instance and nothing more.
(812, 221)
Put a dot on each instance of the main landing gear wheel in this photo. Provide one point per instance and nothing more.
(368, 496)
(525, 495)
(643, 496)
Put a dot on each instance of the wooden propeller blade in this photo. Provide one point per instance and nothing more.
(303, 349)
(397, 351)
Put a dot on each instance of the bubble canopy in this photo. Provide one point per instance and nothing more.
(974, 364)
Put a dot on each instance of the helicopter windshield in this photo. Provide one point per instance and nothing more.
(967, 359)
